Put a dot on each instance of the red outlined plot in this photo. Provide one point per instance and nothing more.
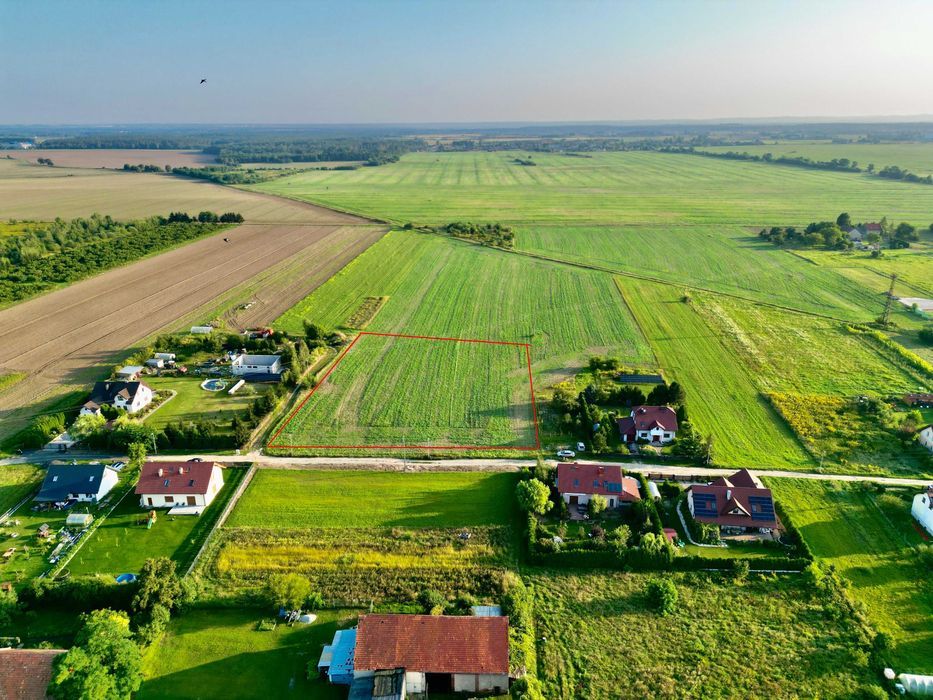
(519, 448)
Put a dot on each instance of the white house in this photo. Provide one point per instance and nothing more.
(170, 484)
(925, 436)
(578, 483)
(256, 364)
(657, 424)
(130, 396)
(80, 482)
(922, 509)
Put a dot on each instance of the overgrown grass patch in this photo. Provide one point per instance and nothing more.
(870, 539)
(764, 638)
(16, 482)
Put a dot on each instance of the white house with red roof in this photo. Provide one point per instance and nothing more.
(432, 654)
(170, 484)
(657, 424)
(737, 502)
(578, 483)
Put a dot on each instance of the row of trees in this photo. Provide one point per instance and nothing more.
(838, 164)
(46, 255)
(494, 234)
(204, 217)
(145, 168)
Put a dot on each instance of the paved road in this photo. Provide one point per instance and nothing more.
(491, 465)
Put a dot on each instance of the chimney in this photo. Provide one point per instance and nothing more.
(161, 471)
(728, 494)
(181, 470)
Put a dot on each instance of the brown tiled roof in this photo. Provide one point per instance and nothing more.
(755, 504)
(433, 644)
(25, 673)
(176, 478)
(648, 417)
(604, 479)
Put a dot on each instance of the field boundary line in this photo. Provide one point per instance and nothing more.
(231, 504)
(360, 334)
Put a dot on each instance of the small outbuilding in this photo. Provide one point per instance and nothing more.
(201, 330)
(129, 373)
(79, 520)
(246, 365)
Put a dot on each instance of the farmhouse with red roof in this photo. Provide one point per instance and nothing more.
(171, 484)
(737, 502)
(577, 483)
(438, 653)
(652, 423)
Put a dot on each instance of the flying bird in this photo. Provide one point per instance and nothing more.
(203, 80)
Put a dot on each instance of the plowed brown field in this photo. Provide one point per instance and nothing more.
(61, 339)
(112, 157)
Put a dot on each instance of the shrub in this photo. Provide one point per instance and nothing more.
(596, 505)
(740, 570)
(289, 590)
(533, 496)
(430, 600)
(662, 596)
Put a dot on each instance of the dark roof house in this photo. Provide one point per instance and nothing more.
(433, 644)
(81, 481)
(593, 479)
(735, 501)
(107, 392)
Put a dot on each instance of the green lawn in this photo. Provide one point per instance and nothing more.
(721, 394)
(870, 538)
(390, 391)
(192, 403)
(762, 639)
(220, 654)
(16, 482)
(360, 499)
(122, 543)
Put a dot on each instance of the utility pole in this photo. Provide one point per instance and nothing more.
(888, 301)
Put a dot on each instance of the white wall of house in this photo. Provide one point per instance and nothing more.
(926, 437)
(655, 435)
(584, 498)
(479, 682)
(415, 682)
(170, 500)
(141, 399)
(922, 511)
(240, 366)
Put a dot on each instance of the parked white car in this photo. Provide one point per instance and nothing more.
(581, 447)
(566, 454)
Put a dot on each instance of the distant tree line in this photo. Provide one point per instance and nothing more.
(223, 175)
(145, 168)
(61, 252)
(839, 164)
(371, 152)
(892, 172)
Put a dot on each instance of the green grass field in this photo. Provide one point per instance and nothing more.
(122, 543)
(359, 499)
(609, 188)
(16, 482)
(765, 638)
(722, 397)
(915, 157)
(391, 391)
(870, 539)
(31, 555)
(220, 654)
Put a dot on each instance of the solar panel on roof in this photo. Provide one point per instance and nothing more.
(765, 507)
(705, 503)
(614, 487)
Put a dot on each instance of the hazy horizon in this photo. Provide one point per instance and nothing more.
(476, 62)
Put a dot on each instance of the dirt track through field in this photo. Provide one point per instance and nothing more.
(61, 339)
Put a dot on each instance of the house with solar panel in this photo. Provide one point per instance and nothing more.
(578, 483)
(738, 504)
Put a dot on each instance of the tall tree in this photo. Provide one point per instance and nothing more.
(104, 664)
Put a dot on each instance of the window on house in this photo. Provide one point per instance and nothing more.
(169, 499)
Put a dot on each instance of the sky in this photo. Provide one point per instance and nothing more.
(402, 61)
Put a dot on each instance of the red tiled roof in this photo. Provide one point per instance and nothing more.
(648, 417)
(433, 644)
(176, 477)
(911, 399)
(595, 479)
(731, 493)
(873, 227)
(25, 673)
